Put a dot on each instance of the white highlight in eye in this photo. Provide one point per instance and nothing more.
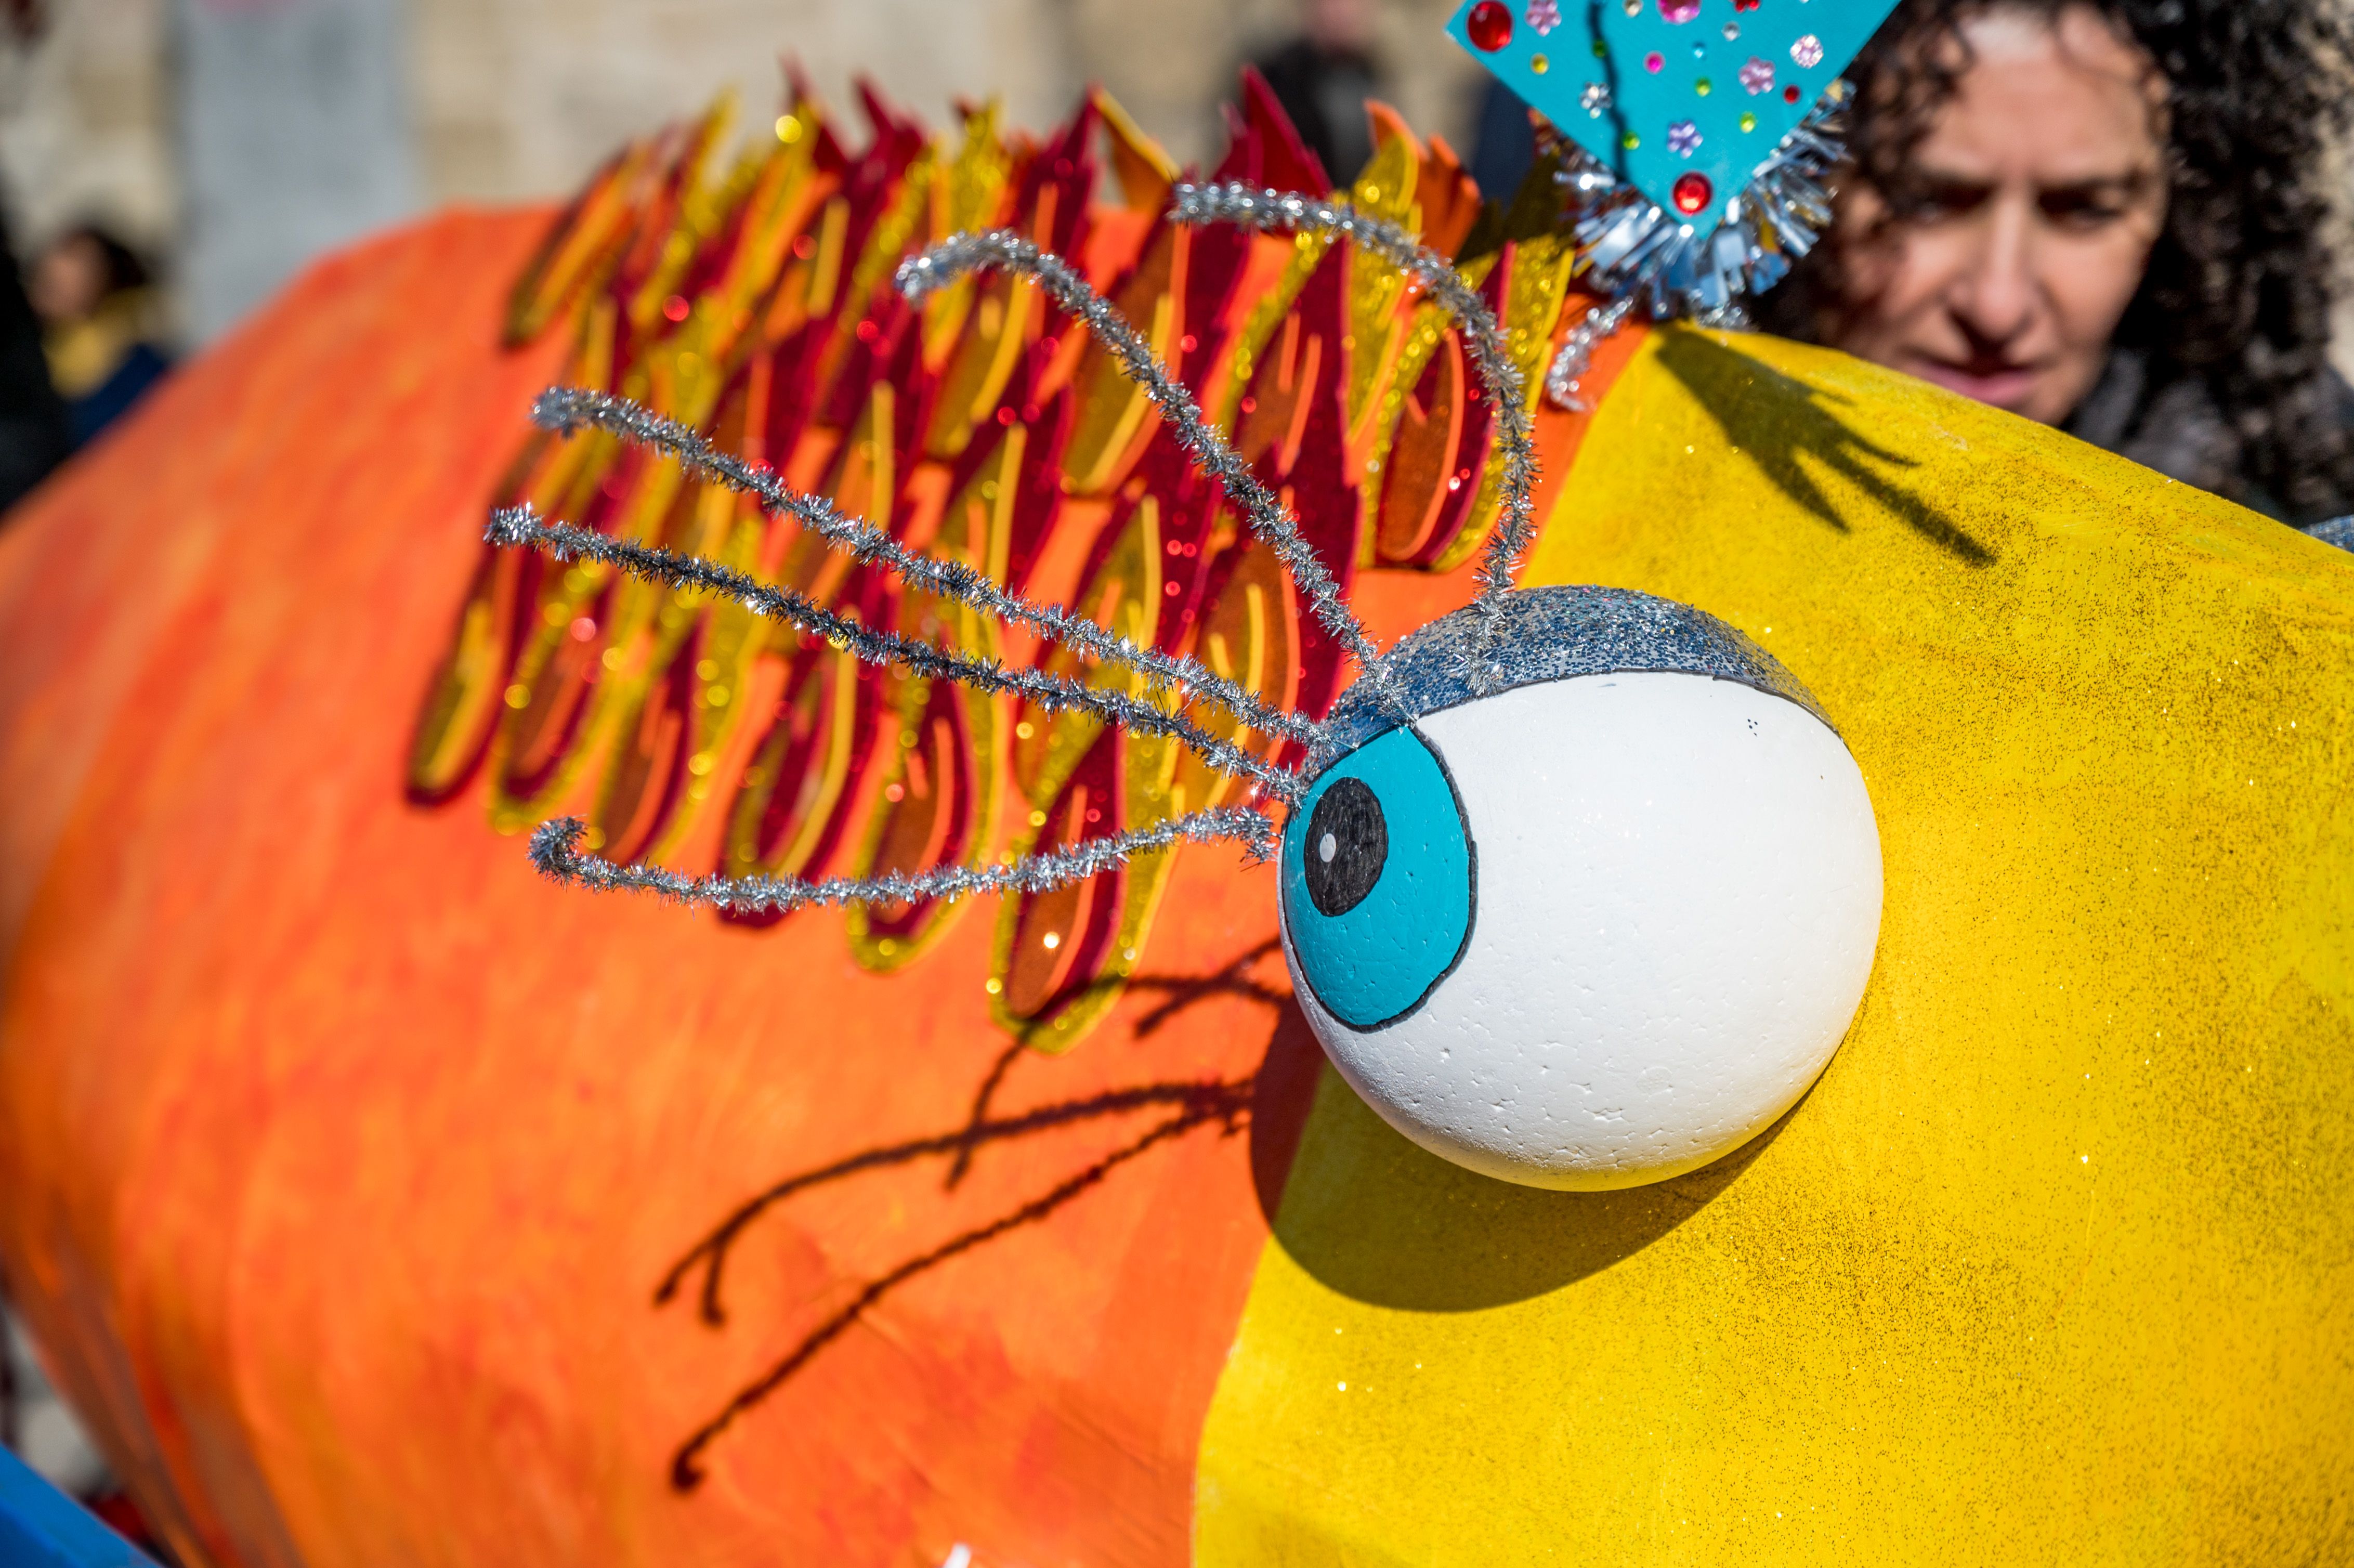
(1327, 847)
(1679, 898)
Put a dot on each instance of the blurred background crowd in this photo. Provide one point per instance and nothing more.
(166, 164)
(228, 140)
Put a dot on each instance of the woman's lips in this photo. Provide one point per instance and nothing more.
(2004, 386)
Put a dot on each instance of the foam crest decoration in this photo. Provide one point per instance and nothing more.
(747, 389)
(1384, 899)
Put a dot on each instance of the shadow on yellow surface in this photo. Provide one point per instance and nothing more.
(1775, 420)
(2052, 1264)
(1383, 1222)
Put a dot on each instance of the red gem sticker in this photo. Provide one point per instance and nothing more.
(1692, 192)
(1790, 95)
(1489, 26)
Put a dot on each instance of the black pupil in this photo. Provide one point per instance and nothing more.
(1348, 844)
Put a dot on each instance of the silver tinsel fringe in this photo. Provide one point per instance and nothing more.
(1576, 355)
(566, 409)
(516, 526)
(1499, 377)
(555, 851)
(1636, 252)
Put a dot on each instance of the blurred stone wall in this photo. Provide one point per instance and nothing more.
(84, 125)
(291, 135)
(513, 99)
(508, 99)
(518, 97)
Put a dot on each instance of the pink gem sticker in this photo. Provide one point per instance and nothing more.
(1655, 62)
(1808, 51)
(1757, 76)
(1544, 15)
(1678, 10)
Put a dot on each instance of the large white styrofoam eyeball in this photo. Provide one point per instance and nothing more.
(1585, 933)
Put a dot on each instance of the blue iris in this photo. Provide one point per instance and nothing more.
(1379, 880)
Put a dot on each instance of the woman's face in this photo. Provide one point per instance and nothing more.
(67, 281)
(1999, 270)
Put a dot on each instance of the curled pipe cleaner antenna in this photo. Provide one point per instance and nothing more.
(565, 410)
(1499, 377)
(516, 525)
(555, 851)
(1008, 252)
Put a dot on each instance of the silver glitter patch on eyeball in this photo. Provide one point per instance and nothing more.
(1550, 635)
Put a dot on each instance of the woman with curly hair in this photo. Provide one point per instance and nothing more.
(2108, 216)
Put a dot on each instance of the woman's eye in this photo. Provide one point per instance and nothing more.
(1926, 200)
(2083, 207)
(1378, 884)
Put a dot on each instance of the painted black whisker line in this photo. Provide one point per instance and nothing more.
(1499, 377)
(711, 1253)
(567, 410)
(962, 1165)
(555, 851)
(514, 526)
(686, 1464)
(1007, 251)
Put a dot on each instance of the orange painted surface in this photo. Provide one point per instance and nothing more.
(340, 1159)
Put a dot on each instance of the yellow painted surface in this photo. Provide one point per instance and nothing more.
(2056, 1264)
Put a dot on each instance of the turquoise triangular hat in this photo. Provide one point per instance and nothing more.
(1660, 91)
(1702, 130)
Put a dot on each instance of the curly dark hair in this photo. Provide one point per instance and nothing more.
(2236, 299)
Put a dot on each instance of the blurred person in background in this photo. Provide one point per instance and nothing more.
(32, 438)
(97, 306)
(32, 421)
(2109, 215)
(1322, 78)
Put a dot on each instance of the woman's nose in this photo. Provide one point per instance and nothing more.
(1995, 295)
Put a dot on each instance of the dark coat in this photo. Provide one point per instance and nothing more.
(33, 438)
(1324, 93)
(2177, 429)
